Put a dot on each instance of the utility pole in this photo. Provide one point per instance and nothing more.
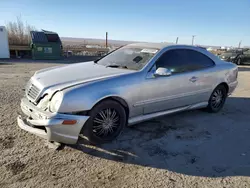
(193, 39)
(176, 42)
(106, 39)
(239, 44)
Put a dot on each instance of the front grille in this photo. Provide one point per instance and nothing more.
(32, 91)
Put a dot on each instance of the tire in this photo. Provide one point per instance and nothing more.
(217, 99)
(238, 61)
(97, 126)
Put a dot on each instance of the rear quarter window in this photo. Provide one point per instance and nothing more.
(198, 60)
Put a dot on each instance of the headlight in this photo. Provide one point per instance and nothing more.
(232, 57)
(56, 101)
(44, 102)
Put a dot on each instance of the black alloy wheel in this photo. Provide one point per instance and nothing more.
(217, 99)
(238, 61)
(106, 122)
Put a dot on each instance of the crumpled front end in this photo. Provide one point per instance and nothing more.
(58, 127)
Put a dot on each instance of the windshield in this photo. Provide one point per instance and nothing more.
(134, 58)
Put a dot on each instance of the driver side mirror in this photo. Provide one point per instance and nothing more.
(162, 72)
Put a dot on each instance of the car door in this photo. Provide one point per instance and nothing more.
(185, 86)
(246, 57)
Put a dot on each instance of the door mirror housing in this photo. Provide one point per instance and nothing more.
(162, 72)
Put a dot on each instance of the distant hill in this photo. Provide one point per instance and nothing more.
(90, 41)
(101, 42)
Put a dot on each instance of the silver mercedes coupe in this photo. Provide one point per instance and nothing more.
(132, 84)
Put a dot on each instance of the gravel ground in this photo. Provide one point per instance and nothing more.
(190, 149)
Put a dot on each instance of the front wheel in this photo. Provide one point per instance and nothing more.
(217, 99)
(106, 122)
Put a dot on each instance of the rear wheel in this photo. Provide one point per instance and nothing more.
(106, 122)
(217, 99)
(238, 61)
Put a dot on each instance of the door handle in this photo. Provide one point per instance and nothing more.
(193, 79)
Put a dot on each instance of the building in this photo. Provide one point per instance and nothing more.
(4, 43)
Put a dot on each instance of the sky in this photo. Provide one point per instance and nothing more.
(213, 22)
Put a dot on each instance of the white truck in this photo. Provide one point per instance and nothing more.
(4, 44)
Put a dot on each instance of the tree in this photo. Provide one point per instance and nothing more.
(18, 32)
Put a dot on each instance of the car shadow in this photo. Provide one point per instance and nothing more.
(195, 143)
(5, 63)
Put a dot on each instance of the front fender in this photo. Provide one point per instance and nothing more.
(83, 99)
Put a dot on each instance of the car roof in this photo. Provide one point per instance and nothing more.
(150, 45)
(159, 46)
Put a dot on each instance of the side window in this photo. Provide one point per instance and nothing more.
(173, 60)
(184, 60)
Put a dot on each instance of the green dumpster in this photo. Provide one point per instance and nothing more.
(45, 45)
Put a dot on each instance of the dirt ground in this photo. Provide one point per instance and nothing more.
(190, 149)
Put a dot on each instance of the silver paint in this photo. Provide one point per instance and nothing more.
(146, 95)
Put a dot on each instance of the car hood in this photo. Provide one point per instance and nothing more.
(68, 75)
(227, 55)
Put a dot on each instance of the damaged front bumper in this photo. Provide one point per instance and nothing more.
(50, 125)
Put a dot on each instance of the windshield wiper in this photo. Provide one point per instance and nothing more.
(95, 61)
(117, 66)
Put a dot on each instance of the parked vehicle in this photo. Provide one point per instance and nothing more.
(230, 56)
(132, 84)
(244, 57)
(67, 53)
(238, 57)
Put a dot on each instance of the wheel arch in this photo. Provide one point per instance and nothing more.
(225, 85)
(118, 99)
